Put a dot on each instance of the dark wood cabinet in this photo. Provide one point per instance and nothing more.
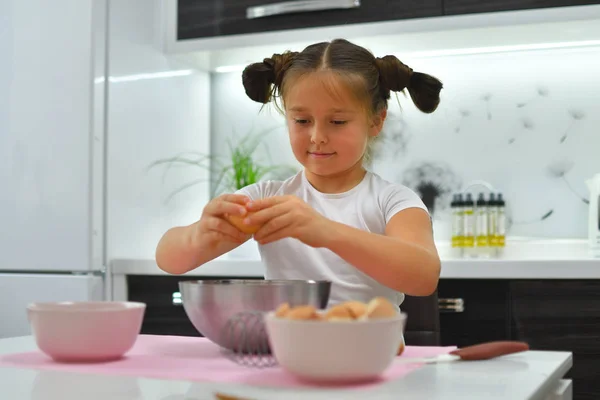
(458, 7)
(484, 314)
(204, 18)
(164, 314)
(555, 315)
(562, 316)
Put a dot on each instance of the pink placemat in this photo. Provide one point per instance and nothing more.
(194, 359)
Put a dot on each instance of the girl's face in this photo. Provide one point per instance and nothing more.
(329, 129)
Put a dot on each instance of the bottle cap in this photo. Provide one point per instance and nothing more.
(480, 199)
(500, 200)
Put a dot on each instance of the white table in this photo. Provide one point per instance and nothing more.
(535, 375)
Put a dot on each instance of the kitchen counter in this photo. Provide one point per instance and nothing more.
(464, 269)
(522, 259)
(535, 375)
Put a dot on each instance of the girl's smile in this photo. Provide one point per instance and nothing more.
(320, 155)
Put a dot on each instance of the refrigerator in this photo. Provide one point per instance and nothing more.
(52, 156)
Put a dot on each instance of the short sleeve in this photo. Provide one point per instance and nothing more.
(262, 189)
(253, 191)
(397, 198)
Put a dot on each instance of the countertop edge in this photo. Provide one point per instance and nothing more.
(451, 269)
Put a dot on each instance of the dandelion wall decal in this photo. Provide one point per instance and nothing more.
(393, 140)
(527, 124)
(464, 113)
(540, 93)
(575, 116)
(487, 97)
(559, 169)
(544, 217)
(434, 182)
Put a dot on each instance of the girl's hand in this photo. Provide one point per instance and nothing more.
(214, 228)
(288, 216)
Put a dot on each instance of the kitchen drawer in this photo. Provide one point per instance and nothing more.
(562, 315)
(457, 7)
(164, 313)
(540, 300)
(204, 18)
(484, 315)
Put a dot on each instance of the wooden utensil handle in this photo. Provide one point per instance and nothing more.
(485, 351)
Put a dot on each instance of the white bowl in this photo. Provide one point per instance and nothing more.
(86, 331)
(335, 351)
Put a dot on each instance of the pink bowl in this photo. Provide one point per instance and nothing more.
(86, 331)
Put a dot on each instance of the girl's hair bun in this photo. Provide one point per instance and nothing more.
(395, 76)
(261, 79)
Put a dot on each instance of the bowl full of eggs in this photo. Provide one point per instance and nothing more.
(349, 342)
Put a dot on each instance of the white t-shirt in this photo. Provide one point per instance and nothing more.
(368, 206)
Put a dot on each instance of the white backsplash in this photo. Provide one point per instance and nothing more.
(157, 109)
(526, 122)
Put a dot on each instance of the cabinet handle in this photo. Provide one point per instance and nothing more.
(288, 7)
(176, 299)
(451, 305)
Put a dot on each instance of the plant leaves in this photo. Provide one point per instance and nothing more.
(243, 168)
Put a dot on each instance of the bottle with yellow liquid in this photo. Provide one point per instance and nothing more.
(501, 227)
(469, 225)
(492, 212)
(457, 224)
(481, 227)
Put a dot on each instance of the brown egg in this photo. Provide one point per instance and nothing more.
(401, 348)
(282, 310)
(357, 308)
(380, 307)
(238, 222)
(302, 313)
(318, 317)
(338, 312)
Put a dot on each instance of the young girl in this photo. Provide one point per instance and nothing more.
(334, 220)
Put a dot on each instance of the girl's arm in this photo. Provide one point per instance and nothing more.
(404, 259)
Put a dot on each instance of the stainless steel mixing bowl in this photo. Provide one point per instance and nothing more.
(211, 304)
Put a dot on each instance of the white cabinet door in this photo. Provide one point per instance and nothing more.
(46, 146)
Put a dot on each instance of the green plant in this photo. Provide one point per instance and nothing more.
(239, 169)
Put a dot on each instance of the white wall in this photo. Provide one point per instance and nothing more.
(466, 144)
(157, 107)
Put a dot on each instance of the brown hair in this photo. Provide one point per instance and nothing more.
(266, 80)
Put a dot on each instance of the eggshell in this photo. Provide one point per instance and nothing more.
(357, 308)
(338, 312)
(380, 307)
(238, 222)
(302, 313)
(282, 310)
(401, 348)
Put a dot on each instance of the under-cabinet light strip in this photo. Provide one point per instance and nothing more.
(150, 75)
